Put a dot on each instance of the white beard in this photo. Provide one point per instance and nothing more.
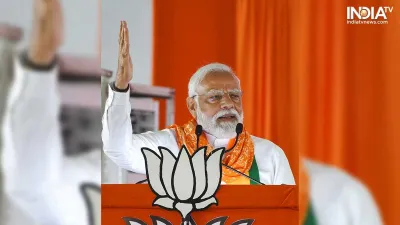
(219, 129)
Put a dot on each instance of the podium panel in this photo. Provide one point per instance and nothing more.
(272, 205)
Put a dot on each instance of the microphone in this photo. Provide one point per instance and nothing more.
(239, 130)
(199, 130)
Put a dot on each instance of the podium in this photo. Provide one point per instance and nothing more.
(266, 205)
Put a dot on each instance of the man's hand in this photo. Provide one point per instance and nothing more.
(47, 33)
(125, 68)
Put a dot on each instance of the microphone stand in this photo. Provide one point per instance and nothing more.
(228, 167)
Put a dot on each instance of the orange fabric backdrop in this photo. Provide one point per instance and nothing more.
(348, 84)
(263, 45)
(188, 35)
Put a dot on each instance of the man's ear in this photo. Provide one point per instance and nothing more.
(191, 104)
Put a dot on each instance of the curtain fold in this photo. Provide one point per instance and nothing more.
(263, 64)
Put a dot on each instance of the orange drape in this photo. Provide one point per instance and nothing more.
(263, 64)
(329, 85)
(348, 84)
(188, 35)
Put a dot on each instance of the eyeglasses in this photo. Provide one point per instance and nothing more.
(216, 96)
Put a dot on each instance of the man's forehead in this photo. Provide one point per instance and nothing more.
(218, 81)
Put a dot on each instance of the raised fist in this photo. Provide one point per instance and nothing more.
(125, 68)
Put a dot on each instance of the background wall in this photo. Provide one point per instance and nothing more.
(138, 14)
(81, 34)
(80, 21)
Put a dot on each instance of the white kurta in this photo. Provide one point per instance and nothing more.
(41, 184)
(340, 199)
(124, 148)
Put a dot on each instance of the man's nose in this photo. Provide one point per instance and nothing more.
(226, 102)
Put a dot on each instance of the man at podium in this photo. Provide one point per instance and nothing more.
(215, 102)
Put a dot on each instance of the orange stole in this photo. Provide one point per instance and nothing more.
(240, 158)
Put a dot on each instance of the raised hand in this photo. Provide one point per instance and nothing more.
(47, 33)
(125, 68)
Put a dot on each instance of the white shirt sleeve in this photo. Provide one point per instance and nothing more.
(32, 140)
(32, 150)
(123, 147)
(283, 173)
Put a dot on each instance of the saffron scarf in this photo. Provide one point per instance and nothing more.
(240, 158)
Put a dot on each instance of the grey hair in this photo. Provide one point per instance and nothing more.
(199, 75)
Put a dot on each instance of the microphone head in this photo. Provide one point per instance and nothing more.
(239, 128)
(199, 129)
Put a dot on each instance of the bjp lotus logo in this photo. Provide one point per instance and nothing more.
(186, 183)
(160, 221)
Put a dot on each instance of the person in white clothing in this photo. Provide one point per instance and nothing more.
(337, 198)
(215, 102)
(41, 185)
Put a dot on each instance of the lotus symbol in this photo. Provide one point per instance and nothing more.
(184, 183)
(161, 221)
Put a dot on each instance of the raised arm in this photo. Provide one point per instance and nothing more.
(32, 144)
(119, 144)
(32, 141)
